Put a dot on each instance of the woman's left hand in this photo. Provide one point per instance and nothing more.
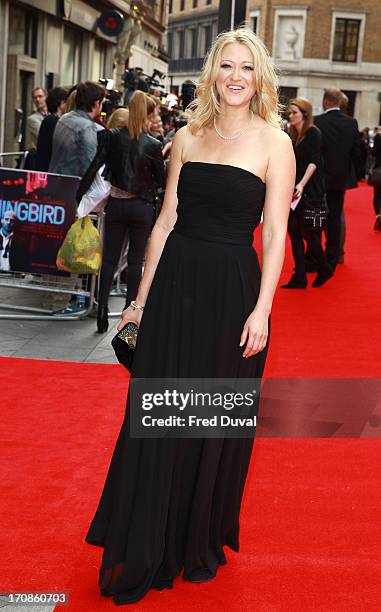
(255, 333)
(299, 189)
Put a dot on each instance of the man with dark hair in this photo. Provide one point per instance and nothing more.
(341, 145)
(87, 95)
(75, 135)
(56, 105)
(33, 122)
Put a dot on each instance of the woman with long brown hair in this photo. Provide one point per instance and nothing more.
(303, 222)
(134, 166)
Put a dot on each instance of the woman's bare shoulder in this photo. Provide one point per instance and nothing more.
(179, 142)
(183, 136)
(276, 141)
(274, 135)
(188, 141)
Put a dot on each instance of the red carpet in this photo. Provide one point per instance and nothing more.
(309, 528)
(334, 330)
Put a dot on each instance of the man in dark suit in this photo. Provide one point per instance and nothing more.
(341, 146)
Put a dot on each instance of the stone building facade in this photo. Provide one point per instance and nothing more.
(314, 43)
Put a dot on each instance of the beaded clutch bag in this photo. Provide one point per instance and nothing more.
(124, 344)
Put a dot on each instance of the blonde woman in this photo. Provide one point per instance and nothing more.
(118, 119)
(134, 166)
(169, 506)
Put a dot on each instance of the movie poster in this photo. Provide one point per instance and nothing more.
(36, 211)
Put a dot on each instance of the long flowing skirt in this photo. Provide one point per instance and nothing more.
(170, 505)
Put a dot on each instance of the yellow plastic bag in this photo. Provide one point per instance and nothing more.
(81, 251)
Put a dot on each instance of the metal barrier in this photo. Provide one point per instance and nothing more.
(38, 281)
(118, 291)
(55, 284)
(50, 284)
(21, 154)
(16, 280)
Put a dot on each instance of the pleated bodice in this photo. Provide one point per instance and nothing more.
(218, 202)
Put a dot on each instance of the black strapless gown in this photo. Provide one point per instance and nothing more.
(172, 504)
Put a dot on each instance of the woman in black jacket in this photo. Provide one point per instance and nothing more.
(135, 168)
(310, 187)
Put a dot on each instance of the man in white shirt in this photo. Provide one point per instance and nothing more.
(33, 122)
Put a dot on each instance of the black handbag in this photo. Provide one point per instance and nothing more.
(124, 344)
(314, 212)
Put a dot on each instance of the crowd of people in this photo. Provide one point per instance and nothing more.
(131, 148)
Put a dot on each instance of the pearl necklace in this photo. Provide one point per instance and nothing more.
(241, 131)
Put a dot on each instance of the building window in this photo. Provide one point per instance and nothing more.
(208, 37)
(99, 60)
(53, 57)
(182, 3)
(254, 21)
(71, 57)
(181, 43)
(208, 1)
(205, 35)
(178, 44)
(170, 8)
(170, 43)
(191, 43)
(31, 27)
(23, 28)
(194, 4)
(346, 40)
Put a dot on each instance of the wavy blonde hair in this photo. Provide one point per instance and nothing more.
(264, 103)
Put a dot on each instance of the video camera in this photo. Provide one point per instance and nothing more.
(135, 79)
(113, 97)
(188, 92)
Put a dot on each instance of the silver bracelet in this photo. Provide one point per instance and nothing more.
(135, 306)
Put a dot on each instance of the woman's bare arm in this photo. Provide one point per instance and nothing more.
(280, 181)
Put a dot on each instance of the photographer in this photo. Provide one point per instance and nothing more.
(134, 166)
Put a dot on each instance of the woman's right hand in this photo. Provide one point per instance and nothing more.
(130, 315)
